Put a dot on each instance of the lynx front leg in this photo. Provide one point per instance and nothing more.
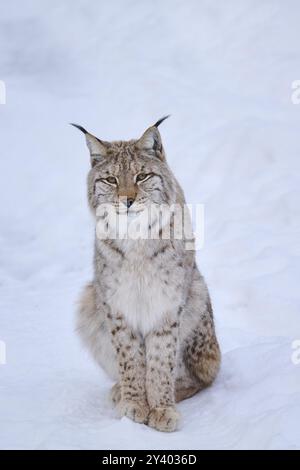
(161, 351)
(132, 370)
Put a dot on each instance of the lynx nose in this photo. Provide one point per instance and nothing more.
(129, 202)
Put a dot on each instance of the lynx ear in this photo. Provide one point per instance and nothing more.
(151, 139)
(97, 148)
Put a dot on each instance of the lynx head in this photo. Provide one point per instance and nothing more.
(131, 174)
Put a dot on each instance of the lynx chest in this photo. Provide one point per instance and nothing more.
(144, 291)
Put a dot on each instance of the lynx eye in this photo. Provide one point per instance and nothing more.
(111, 180)
(141, 177)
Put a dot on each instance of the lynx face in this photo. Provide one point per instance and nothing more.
(129, 178)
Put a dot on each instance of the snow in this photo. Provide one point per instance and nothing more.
(225, 72)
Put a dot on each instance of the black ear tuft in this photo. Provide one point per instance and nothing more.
(161, 120)
(82, 129)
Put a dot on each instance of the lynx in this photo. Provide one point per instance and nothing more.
(146, 317)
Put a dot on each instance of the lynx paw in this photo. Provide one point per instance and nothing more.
(138, 412)
(164, 419)
(115, 394)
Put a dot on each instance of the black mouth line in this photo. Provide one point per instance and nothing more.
(129, 212)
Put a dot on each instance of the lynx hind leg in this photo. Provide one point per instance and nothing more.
(92, 328)
(200, 353)
(203, 358)
(186, 387)
(203, 363)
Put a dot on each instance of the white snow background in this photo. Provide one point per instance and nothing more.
(224, 70)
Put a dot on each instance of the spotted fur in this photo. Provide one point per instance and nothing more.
(147, 316)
